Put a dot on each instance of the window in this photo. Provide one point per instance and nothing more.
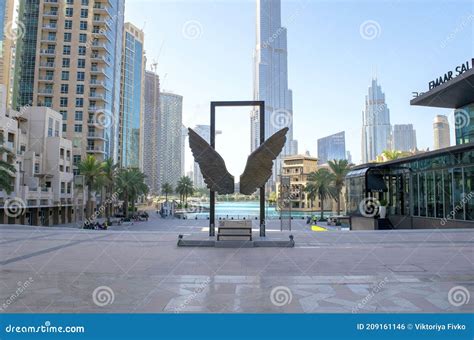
(81, 76)
(68, 24)
(76, 159)
(63, 102)
(469, 192)
(78, 115)
(70, 2)
(66, 62)
(83, 38)
(80, 89)
(65, 75)
(66, 50)
(82, 50)
(458, 193)
(84, 13)
(50, 127)
(77, 127)
(64, 88)
(64, 127)
(67, 37)
(81, 63)
(69, 12)
(56, 128)
(83, 26)
(85, 2)
(64, 114)
(79, 102)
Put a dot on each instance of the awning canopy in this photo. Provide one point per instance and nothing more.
(453, 94)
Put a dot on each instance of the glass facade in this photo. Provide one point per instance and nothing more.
(440, 187)
(464, 124)
(131, 107)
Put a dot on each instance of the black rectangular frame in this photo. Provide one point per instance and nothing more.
(212, 196)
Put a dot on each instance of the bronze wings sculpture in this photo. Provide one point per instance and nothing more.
(257, 170)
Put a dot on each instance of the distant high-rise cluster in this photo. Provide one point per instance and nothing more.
(271, 80)
(376, 128)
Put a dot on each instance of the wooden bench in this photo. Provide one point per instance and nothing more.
(235, 230)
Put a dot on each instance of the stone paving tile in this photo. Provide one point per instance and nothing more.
(329, 272)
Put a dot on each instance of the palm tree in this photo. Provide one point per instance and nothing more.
(339, 168)
(166, 189)
(391, 155)
(185, 188)
(91, 169)
(6, 169)
(131, 184)
(311, 192)
(320, 182)
(109, 171)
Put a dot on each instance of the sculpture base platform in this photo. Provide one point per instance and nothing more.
(236, 244)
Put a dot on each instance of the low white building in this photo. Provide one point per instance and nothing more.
(43, 182)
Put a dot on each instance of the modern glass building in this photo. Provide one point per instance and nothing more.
(332, 147)
(169, 148)
(456, 93)
(429, 190)
(131, 96)
(271, 80)
(376, 128)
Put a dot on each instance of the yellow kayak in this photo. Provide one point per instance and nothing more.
(318, 228)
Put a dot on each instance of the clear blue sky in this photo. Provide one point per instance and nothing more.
(330, 62)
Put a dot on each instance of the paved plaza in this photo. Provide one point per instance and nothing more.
(139, 268)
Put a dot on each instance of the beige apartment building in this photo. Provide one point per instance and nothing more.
(296, 169)
(72, 66)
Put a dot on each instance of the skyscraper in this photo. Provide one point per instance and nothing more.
(205, 132)
(69, 60)
(271, 79)
(151, 130)
(404, 137)
(131, 98)
(169, 148)
(184, 135)
(376, 128)
(441, 132)
(6, 44)
(332, 147)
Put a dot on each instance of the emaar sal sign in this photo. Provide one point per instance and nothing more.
(451, 74)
